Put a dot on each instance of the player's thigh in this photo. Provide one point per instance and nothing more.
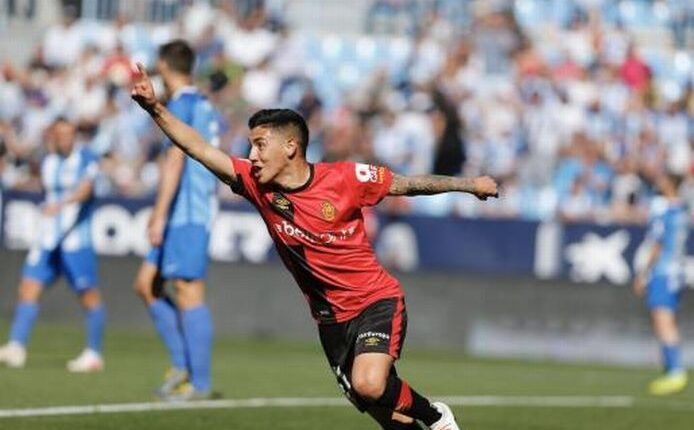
(189, 293)
(80, 268)
(41, 267)
(664, 324)
(148, 283)
(370, 374)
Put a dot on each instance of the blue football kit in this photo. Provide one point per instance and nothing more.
(668, 227)
(64, 244)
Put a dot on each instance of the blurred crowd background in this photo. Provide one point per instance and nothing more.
(570, 104)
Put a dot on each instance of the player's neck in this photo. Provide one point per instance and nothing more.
(295, 176)
(175, 83)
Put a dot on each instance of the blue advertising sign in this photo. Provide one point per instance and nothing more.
(580, 252)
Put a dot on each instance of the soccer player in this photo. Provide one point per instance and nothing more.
(313, 213)
(662, 279)
(178, 231)
(64, 246)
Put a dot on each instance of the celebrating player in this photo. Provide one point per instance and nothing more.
(64, 246)
(662, 279)
(313, 213)
(178, 230)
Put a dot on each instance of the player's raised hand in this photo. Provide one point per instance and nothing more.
(143, 90)
(485, 187)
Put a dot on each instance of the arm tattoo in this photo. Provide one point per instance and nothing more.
(429, 184)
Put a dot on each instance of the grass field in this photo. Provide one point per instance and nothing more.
(246, 369)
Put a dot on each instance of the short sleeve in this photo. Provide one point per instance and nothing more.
(244, 185)
(181, 110)
(370, 184)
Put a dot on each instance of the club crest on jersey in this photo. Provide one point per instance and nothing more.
(328, 211)
(282, 204)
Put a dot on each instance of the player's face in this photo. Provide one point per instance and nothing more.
(64, 137)
(268, 153)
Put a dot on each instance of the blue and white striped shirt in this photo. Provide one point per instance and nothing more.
(61, 176)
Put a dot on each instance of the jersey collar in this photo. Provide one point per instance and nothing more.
(188, 89)
(301, 187)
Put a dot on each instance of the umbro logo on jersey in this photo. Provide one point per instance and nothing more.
(372, 341)
(282, 204)
(328, 211)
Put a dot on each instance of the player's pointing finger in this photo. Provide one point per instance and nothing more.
(142, 70)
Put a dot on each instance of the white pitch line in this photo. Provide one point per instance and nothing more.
(283, 402)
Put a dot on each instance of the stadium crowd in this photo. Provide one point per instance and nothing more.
(568, 103)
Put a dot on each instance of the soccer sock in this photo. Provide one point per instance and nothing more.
(671, 358)
(399, 397)
(165, 318)
(24, 317)
(95, 321)
(197, 330)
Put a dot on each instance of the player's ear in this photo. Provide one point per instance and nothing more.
(291, 147)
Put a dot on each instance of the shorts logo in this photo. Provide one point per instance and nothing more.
(371, 338)
(328, 211)
(372, 341)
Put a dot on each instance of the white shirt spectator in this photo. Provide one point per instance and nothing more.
(11, 100)
(260, 87)
(63, 44)
(673, 132)
(250, 47)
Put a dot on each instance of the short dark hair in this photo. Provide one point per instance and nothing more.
(279, 118)
(178, 55)
(675, 179)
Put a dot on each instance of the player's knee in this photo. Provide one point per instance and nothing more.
(143, 288)
(29, 291)
(369, 387)
(90, 298)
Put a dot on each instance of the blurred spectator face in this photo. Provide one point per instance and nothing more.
(64, 137)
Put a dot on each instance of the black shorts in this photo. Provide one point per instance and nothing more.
(381, 327)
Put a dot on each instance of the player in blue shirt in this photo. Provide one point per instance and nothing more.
(64, 246)
(179, 230)
(662, 279)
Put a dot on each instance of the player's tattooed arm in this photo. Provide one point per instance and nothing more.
(183, 136)
(483, 187)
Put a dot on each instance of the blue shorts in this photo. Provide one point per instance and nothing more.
(663, 291)
(79, 267)
(183, 255)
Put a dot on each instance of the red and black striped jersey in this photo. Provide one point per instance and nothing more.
(319, 233)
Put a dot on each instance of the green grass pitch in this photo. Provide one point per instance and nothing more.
(135, 362)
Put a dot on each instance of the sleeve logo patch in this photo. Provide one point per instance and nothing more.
(368, 173)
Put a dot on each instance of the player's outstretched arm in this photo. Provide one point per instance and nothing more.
(483, 187)
(183, 136)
